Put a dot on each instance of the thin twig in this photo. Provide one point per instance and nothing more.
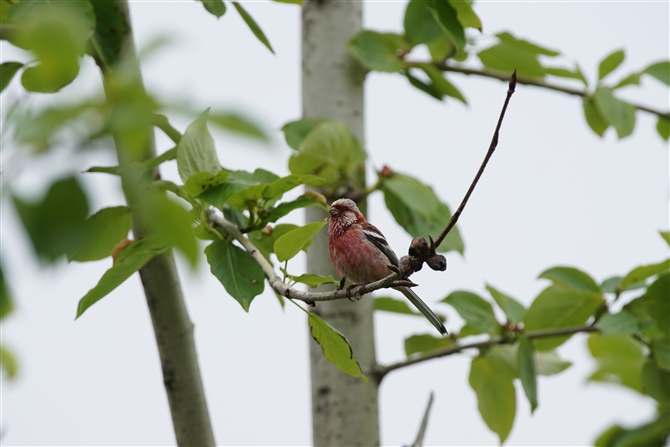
(276, 282)
(381, 371)
(424, 422)
(537, 83)
(492, 148)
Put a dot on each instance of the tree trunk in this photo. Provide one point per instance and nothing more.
(344, 409)
(172, 325)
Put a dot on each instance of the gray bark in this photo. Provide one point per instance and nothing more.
(172, 325)
(344, 409)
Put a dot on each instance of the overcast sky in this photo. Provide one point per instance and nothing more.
(554, 194)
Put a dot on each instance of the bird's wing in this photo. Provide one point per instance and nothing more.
(375, 236)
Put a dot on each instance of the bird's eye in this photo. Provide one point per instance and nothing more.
(346, 208)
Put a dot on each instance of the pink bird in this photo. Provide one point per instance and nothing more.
(361, 254)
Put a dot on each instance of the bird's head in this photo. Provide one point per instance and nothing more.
(344, 212)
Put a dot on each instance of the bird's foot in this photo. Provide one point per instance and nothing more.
(341, 286)
(354, 291)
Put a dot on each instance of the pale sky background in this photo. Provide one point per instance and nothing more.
(554, 194)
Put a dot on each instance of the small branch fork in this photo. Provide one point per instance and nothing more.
(381, 371)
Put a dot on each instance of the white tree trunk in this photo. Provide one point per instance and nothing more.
(344, 409)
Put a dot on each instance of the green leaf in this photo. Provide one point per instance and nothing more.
(389, 304)
(314, 280)
(6, 302)
(131, 259)
(571, 277)
(610, 63)
(620, 359)
(512, 308)
(335, 346)
(293, 2)
(548, 363)
(527, 371)
(660, 347)
(495, 396)
(111, 28)
(416, 207)
(466, 15)
(440, 84)
(200, 182)
(238, 124)
(8, 362)
(448, 18)
(303, 201)
(55, 225)
(663, 127)
(652, 434)
(611, 285)
(253, 26)
(277, 188)
(101, 233)
(56, 32)
(515, 54)
(655, 382)
(425, 343)
(288, 245)
(666, 236)
(195, 151)
(524, 45)
(476, 311)
(619, 114)
(421, 25)
(7, 72)
(560, 306)
(593, 117)
(240, 275)
(656, 300)
(660, 71)
(643, 272)
(566, 73)
(173, 223)
(239, 187)
(295, 131)
(623, 323)
(327, 150)
(631, 79)
(426, 88)
(379, 51)
(214, 7)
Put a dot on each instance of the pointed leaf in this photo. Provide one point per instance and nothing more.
(131, 259)
(666, 236)
(644, 272)
(240, 275)
(7, 72)
(101, 232)
(8, 362)
(663, 127)
(421, 25)
(253, 26)
(476, 311)
(560, 306)
(466, 15)
(214, 7)
(624, 323)
(512, 308)
(378, 51)
(593, 117)
(425, 343)
(496, 398)
(288, 245)
(6, 301)
(610, 63)
(527, 371)
(618, 113)
(303, 201)
(660, 70)
(440, 83)
(571, 277)
(548, 363)
(195, 151)
(314, 280)
(448, 18)
(335, 346)
(238, 124)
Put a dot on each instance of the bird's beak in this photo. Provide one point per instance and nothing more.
(334, 212)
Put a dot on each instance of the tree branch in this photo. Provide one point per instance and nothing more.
(503, 76)
(284, 289)
(381, 370)
(489, 153)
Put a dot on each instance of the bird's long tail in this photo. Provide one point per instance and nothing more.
(423, 308)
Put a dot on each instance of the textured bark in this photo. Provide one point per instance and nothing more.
(344, 409)
(172, 325)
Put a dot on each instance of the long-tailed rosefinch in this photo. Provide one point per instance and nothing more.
(362, 255)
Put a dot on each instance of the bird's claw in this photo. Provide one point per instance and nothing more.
(403, 283)
(341, 286)
(355, 295)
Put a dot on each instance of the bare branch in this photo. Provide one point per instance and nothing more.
(503, 76)
(492, 147)
(284, 289)
(424, 422)
(381, 371)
